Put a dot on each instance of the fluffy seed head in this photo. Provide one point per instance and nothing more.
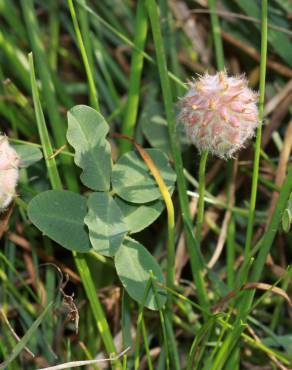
(9, 162)
(219, 113)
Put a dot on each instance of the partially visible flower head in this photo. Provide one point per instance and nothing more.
(219, 113)
(9, 162)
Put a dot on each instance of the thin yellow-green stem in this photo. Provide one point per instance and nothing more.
(201, 203)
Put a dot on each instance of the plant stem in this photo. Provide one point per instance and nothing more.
(95, 304)
(162, 320)
(139, 325)
(194, 252)
(204, 156)
(146, 344)
(79, 259)
(264, 38)
(200, 216)
(131, 109)
(246, 301)
(92, 89)
(230, 254)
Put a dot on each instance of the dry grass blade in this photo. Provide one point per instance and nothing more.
(72, 364)
(27, 336)
(25, 244)
(4, 219)
(16, 337)
(196, 35)
(58, 151)
(224, 228)
(273, 358)
(253, 53)
(230, 15)
(168, 204)
(268, 287)
(273, 103)
(282, 167)
(259, 286)
(276, 119)
(182, 256)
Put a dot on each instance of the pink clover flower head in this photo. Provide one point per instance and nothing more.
(219, 113)
(9, 172)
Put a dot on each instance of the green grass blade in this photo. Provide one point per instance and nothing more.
(256, 161)
(54, 26)
(43, 131)
(58, 126)
(127, 41)
(168, 103)
(131, 109)
(88, 69)
(147, 349)
(48, 89)
(163, 323)
(80, 261)
(201, 205)
(27, 336)
(139, 325)
(216, 35)
(96, 306)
